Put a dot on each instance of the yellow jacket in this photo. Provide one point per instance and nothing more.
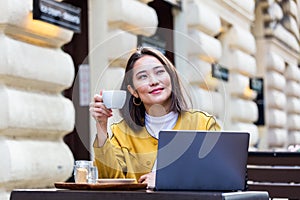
(131, 154)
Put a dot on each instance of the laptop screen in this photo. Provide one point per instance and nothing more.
(197, 160)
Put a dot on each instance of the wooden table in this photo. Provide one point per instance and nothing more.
(60, 194)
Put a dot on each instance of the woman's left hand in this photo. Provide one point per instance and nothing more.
(148, 178)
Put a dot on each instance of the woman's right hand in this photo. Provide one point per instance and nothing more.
(101, 114)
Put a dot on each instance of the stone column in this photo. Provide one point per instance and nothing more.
(226, 39)
(277, 37)
(34, 115)
(203, 50)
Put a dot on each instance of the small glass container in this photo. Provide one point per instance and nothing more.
(81, 171)
(93, 174)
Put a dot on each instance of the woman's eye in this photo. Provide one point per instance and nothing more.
(142, 76)
(160, 71)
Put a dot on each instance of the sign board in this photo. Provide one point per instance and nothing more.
(219, 72)
(257, 84)
(58, 13)
(84, 85)
(154, 41)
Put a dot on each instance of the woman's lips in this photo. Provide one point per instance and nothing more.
(156, 91)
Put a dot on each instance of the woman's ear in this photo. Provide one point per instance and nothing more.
(132, 91)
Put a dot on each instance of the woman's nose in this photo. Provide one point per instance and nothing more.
(153, 80)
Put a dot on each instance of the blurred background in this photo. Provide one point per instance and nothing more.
(238, 59)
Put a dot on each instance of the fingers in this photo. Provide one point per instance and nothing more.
(98, 98)
(101, 111)
(143, 178)
(98, 109)
(148, 178)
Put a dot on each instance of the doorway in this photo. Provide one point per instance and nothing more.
(165, 25)
(78, 139)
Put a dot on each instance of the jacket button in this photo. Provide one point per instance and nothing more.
(148, 162)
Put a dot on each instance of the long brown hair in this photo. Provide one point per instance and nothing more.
(135, 115)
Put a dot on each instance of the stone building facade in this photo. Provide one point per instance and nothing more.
(34, 115)
(276, 30)
(247, 39)
(252, 39)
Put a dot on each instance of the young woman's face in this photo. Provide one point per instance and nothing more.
(151, 82)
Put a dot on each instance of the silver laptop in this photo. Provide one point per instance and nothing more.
(206, 161)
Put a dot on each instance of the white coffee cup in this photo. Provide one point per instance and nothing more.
(114, 99)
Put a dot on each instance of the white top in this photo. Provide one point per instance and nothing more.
(156, 124)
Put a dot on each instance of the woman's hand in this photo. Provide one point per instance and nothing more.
(101, 114)
(99, 111)
(148, 178)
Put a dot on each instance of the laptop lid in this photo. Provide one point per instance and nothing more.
(196, 160)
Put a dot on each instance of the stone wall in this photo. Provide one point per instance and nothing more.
(34, 115)
(250, 39)
(221, 33)
(205, 32)
(277, 36)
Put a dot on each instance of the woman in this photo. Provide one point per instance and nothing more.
(154, 101)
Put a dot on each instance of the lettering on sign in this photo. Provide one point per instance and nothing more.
(154, 41)
(220, 72)
(58, 13)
